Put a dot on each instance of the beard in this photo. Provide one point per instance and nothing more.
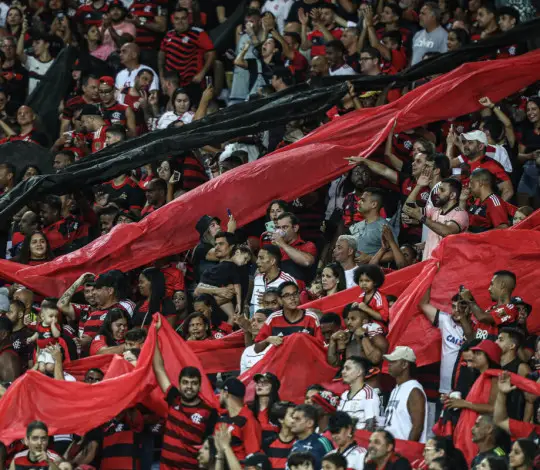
(439, 201)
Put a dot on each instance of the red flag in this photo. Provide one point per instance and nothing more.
(287, 173)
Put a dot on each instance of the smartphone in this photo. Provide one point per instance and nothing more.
(270, 226)
(208, 81)
(176, 176)
(410, 204)
(229, 213)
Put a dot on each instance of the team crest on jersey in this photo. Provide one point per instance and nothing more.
(185, 39)
(305, 330)
(148, 8)
(196, 418)
(407, 144)
(116, 115)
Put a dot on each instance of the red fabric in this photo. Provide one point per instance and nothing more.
(220, 355)
(291, 172)
(410, 450)
(480, 394)
(53, 401)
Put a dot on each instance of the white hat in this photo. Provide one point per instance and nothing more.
(403, 353)
(479, 136)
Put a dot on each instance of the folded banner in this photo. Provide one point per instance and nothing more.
(220, 355)
(286, 174)
(480, 394)
(37, 397)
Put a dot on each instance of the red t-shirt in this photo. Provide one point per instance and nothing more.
(378, 303)
(486, 163)
(522, 430)
(487, 214)
(245, 431)
(319, 43)
(99, 342)
(174, 279)
(503, 315)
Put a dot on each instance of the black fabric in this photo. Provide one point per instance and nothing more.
(221, 275)
(24, 154)
(294, 103)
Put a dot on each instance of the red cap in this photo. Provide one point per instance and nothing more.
(491, 349)
(108, 80)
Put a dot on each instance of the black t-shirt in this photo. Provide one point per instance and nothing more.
(200, 263)
(293, 12)
(16, 83)
(222, 274)
(497, 452)
(530, 139)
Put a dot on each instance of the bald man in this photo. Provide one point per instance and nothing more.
(130, 59)
(319, 67)
(26, 296)
(26, 119)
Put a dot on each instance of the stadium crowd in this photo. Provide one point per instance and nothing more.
(471, 173)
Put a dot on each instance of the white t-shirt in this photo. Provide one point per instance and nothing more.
(345, 69)
(349, 277)
(171, 116)
(250, 357)
(260, 285)
(126, 78)
(280, 9)
(500, 154)
(355, 456)
(452, 340)
(37, 70)
(363, 406)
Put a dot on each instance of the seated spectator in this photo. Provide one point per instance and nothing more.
(521, 214)
(249, 356)
(442, 448)
(203, 255)
(382, 450)
(129, 58)
(152, 289)
(335, 53)
(26, 120)
(301, 461)
(333, 279)
(330, 324)
(135, 338)
(11, 364)
(111, 336)
(20, 333)
(113, 111)
(344, 254)
(36, 441)
(156, 196)
(486, 19)
(457, 38)
(181, 110)
(90, 95)
(485, 436)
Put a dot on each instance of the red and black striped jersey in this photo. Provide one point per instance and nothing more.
(115, 114)
(89, 16)
(277, 452)
(98, 139)
(22, 461)
(45, 336)
(65, 232)
(95, 320)
(184, 52)
(135, 104)
(268, 429)
(193, 173)
(127, 194)
(147, 11)
(186, 428)
(120, 449)
(245, 431)
(278, 325)
(503, 315)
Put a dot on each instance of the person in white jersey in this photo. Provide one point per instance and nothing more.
(406, 412)
(361, 401)
(269, 273)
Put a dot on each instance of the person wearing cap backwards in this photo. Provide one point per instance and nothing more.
(90, 95)
(486, 355)
(305, 418)
(242, 424)
(485, 324)
(474, 145)
(113, 111)
(189, 420)
(406, 411)
(92, 122)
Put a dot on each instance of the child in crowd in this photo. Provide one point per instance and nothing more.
(47, 330)
(370, 278)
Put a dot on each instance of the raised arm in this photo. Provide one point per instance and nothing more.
(158, 364)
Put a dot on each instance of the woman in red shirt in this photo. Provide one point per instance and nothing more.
(110, 338)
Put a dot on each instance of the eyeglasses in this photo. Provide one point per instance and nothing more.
(290, 295)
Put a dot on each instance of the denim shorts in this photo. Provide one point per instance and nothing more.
(528, 184)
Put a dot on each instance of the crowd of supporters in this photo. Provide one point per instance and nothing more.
(471, 173)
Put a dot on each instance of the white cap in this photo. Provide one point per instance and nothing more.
(401, 353)
(479, 136)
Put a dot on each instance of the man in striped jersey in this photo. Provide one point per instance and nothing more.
(269, 275)
(361, 401)
(278, 447)
(36, 456)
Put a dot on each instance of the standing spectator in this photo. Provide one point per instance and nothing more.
(152, 289)
(484, 435)
(115, 30)
(20, 333)
(189, 420)
(361, 401)
(41, 60)
(335, 53)
(10, 363)
(203, 256)
(406, 412)
(206, 304)
(36, 249)
(278, 448)
(433, 38)
(90, 95)
(156, 196)
(486, 18)
(91, 14)
(14, 74)
(113, 111)
(280, 9)
(150, 19)
(305, 418)
(442, 219)
(529, 152)
(242, 424)
(288, 321)
(187, 49)
(324, 30)
(129, 58)
(249, 356)
(381, 453)
(266, 395)
(297, 255)
(111, 337)
(349, 38)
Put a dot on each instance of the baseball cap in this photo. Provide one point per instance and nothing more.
(90, 110)
(401, 353)
(107, 80)
(520, 301)
(106, 280)
(491, 350)
(117, 4)
(268, 376)
(327, 400)
(204, 222)
(234, 387)
(257, 460)
(479, 136)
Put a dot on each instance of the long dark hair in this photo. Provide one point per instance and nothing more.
(180, 91)
(191, 316)
(106, 329)
(453, 456)
(255, 405)
(157, 289)
(217, 316)
(339, 273)
(25, 255)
